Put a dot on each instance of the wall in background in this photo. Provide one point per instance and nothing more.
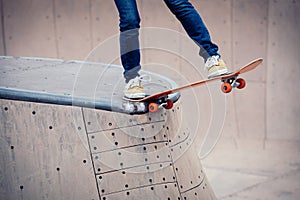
(244, 30)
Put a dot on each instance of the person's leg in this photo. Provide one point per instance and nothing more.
(196, 29)
(129, 47)
(193, 25)
(129, 37)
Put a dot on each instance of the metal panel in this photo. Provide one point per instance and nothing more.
(99, 121)
(188, 179)
(29, 28)
(126, 152)
(199, 191)
(123, 137)
(131, 157)
(161, 191)
(180, 140)
(128, 181)
(283, 110)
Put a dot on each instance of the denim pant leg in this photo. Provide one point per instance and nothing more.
(129, 37)
(193, 25)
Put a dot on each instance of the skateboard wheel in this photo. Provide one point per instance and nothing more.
(226, 87)
(153, 107)
(242, 83)
(169, 104)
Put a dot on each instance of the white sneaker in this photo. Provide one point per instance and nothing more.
(134, 88)
(215, 66)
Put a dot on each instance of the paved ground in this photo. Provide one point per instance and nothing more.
(251, 169)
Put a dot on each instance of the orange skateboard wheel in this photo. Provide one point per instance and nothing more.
(153, 107)
(226, 87)
(242, 83)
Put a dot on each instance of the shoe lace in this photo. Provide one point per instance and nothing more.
(137, 81)
(211, 61)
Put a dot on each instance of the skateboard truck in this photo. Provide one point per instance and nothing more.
(232, 82)
(140, 107)
(161, 102)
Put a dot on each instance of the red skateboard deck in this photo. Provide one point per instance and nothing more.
(229, 81)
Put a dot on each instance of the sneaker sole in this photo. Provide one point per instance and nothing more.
(218, 73)
(135, 96)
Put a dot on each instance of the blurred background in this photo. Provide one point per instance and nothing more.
(258, 153)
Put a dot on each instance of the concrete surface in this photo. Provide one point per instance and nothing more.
(253, 170)
(58, 152)
(260, 136)
(49, 150)
(85, 84)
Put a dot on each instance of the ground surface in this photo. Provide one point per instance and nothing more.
(249, 169)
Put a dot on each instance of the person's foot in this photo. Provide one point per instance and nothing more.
(215, 66)
(134, 88)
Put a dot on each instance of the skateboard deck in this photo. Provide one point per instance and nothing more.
(153, 102)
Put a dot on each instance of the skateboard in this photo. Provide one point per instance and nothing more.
(152, 103)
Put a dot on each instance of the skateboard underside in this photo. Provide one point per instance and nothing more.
(232, 82)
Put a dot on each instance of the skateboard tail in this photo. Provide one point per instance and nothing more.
(252, 65)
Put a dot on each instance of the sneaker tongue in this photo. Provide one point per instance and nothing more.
(212, 61)
(133, 83)
(137, 81)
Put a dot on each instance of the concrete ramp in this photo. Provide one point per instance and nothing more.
(70, 83)
(78, 152)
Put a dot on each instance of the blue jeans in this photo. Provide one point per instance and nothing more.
(129, 32)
